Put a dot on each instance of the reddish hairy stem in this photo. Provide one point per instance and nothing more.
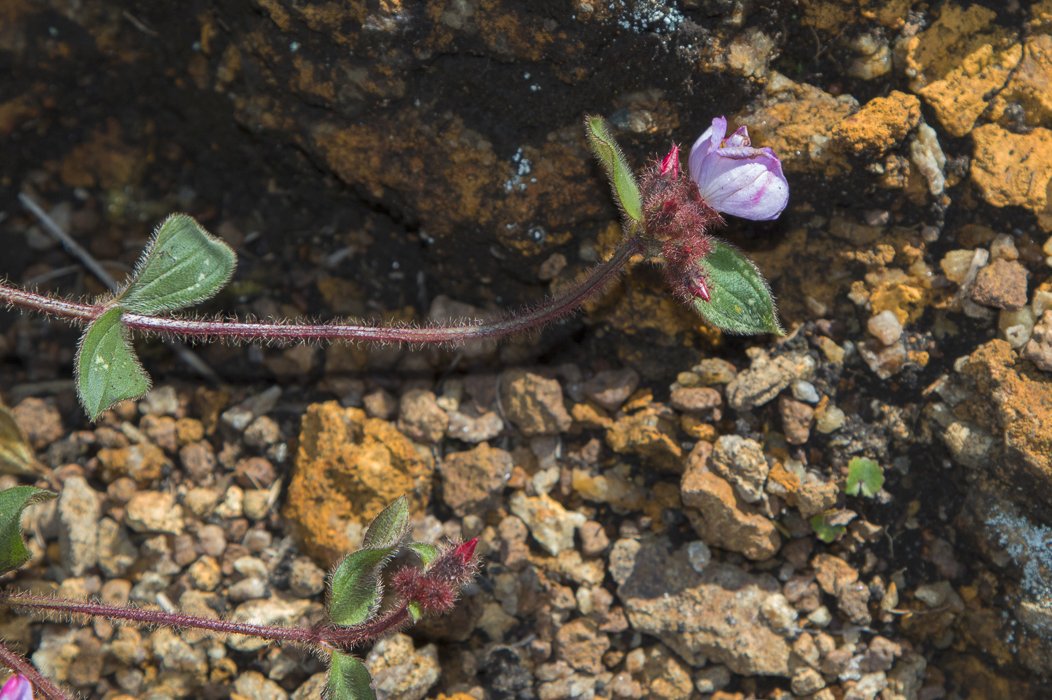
(551, 310)
(42, 687)
(322, 636)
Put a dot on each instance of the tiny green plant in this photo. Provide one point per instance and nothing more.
(424, 580)
(826, 530)
(864, 478)
(668, 217)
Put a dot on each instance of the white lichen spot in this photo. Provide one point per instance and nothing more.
(523, 167)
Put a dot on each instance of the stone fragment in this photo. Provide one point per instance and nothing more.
(741, 461)
(533, 403)
(548, 521)
(306, 579)
(400, 671)
(143, 462)
(722, 520)
(116, 553)
(154, 511)
(1001, 284)
(881, 124)
(472, 481)
(253, 684)
(78, 517)
(1039, 348)
(796, 420)
(39, 421)
(885, 327)
(713, 615)
(664, 676)
(696, 399)
(610, 388)
(474, 427)
(766, 377)
(649, 433)
(274, 610)
(1004, 178)
(581, 645)
(348, 468)
(421, 418)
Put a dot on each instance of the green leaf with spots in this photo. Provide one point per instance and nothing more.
(107, 369)
(864, 476)
(182, 266)
(13, 501)
(740, 301)
(349, 679)
(626, 191)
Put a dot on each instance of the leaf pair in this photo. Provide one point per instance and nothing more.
(740, 300)
(182, 265)
(356, 591)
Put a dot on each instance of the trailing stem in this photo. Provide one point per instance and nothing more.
(202, 329)
(342, 638)
(41, 685)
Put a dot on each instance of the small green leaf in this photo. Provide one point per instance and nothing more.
(182, 266)
(426, 552)
(107, 369)
(863, 476)
(415, 611)
(13, 501)
(349, 679)
(355, 587)
(626, 191)
(390, 527)
(740, 300)
(824, 530)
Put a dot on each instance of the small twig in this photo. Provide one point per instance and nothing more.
(41, 685)
(188, 357)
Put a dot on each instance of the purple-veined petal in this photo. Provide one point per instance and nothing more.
(735, 178)
(17, 687)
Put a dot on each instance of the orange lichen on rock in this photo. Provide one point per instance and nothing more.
(880, 125)
(1014, 169)
(349, 468)
(1030, 85)
(959, 63)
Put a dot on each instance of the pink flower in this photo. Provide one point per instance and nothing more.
(735, 178)
(17, 687)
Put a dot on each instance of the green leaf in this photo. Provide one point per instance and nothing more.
(416, 612)
(182, 266)
(824, 530)
(863, 476)
(108, 371)
(349, 679)
(390, 527)
(16, 455)
(426, 552)
(626, 191)
(13, 501)
(355, 587)
(740, 301)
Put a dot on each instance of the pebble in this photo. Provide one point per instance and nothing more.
(610, 388)
(261, 433)
(421, 418)
(161, 401)
(199, 461)
(401, 671)
(805, 391)
(551, 525)
(471, 428)
(1039, 348)
(212, 539)
(78, 517)
(696, 399)
(829, 419)
(306, 578)
(380, 404)
(39, 421)
(712, 679)
(741, 461)
(154, 511)
(266, 611)
(254, 472)
(116, 553)
(699, 555)
(238, 417)
(473, 480)
(205, 574)
(766, 377)
(885, 327)
(796, 420)
(1001, 284)
(533, 404)
(253, 684)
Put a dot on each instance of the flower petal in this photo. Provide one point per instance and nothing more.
(749, 185)
(17, 687)
(735, 178)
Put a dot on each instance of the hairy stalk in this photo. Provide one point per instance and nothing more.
(319, 637)
(173, 327)
(42, 687)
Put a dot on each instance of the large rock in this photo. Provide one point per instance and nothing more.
(348, 468)
(714, 615)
